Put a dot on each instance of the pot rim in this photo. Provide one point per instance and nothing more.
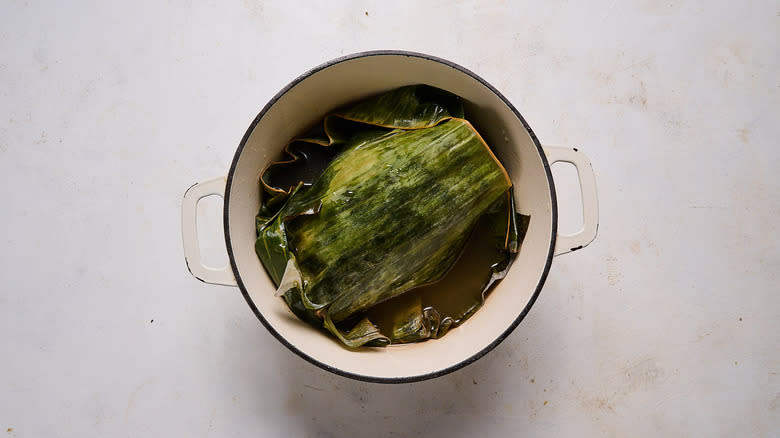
(361, 377)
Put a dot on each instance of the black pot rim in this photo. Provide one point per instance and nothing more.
(362, 377)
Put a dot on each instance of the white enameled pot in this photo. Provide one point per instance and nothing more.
(305, 101)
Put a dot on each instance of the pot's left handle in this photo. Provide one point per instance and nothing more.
(189, 232)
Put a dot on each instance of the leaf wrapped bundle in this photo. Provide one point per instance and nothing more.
(380, 202)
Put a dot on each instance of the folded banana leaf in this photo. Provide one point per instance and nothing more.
(377, 204)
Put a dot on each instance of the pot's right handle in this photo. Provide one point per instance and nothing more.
(189, 233)
(590, 202)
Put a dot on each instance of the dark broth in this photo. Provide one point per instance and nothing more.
(460, 292)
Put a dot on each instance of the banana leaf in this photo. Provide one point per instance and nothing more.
(377, 202)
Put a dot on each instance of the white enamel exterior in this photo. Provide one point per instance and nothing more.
(306, 102)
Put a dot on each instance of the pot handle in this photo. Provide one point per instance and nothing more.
(189, 232)
(590, 202)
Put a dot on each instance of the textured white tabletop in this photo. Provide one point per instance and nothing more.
(667, 325)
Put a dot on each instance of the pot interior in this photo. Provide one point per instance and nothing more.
(303, 104)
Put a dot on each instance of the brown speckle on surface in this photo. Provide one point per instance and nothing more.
(599, 404)
(634, 247)
(614, 274)
(654, 248)
(744, 134)
(10, 429)
(151, 321)
(43, 138)
(775, 403)
(533, 381)
(644, 375)
(211, 419)
(545, 403)
(736, 362)
(740, 318)
(366, 13)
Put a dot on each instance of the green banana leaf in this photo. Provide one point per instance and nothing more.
(377, 204)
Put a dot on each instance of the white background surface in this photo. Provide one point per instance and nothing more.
(667, 325)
